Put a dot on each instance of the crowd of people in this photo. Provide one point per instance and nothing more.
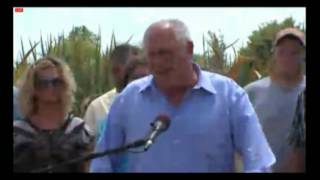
(211, 116)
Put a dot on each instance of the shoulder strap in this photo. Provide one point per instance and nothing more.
(78, 129)
(72, 124)
(69, 119)
(24, 127)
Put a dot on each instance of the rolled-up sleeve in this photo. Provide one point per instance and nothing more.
(112, 137)
(248, 136)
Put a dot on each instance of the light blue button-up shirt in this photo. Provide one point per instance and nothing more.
(214, 120)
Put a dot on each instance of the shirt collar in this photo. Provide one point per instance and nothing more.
(147, 83)
(204, 81)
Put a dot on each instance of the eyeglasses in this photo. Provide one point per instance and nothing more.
(45, 83)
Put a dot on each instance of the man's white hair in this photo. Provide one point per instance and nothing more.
(180, 30)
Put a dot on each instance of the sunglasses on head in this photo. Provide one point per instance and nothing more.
(45, 83)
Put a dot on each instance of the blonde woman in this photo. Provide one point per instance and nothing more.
(49, 134)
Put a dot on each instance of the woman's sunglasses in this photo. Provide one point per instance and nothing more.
(45, 83)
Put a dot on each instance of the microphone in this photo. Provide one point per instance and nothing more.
(160, 125)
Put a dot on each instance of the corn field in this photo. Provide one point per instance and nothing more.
(82, 51)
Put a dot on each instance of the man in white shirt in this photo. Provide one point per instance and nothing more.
(99, 107)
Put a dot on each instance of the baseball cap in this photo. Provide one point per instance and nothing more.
(292, 32)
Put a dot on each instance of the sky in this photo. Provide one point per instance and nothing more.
(233, 23)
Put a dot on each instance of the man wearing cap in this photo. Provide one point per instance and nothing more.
(274, 97)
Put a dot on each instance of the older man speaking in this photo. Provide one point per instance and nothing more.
(211, 116)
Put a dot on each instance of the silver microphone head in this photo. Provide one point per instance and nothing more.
(160, 125)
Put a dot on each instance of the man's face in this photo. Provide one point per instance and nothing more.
(165, 55)
(139, 72)
(119, 70)
(288, 55)
(118, 73)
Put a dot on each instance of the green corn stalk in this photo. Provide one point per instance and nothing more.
(55, 46)
(63, 45)
(58, 45)
(113, 43)
(84, 58)
(49, 46)
(244, 71)
(98, 64)
(42, 46)
(217, 58)
(107, 69)
(22, 49)
(107, 51)
(231, 44)
(127, 42)
(23, 65)
(25, 57)
(244, 74)
(204, 51)
(34, 52)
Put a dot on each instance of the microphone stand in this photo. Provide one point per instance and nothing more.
(135, 144)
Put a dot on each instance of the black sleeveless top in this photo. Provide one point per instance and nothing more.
(34, 148)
